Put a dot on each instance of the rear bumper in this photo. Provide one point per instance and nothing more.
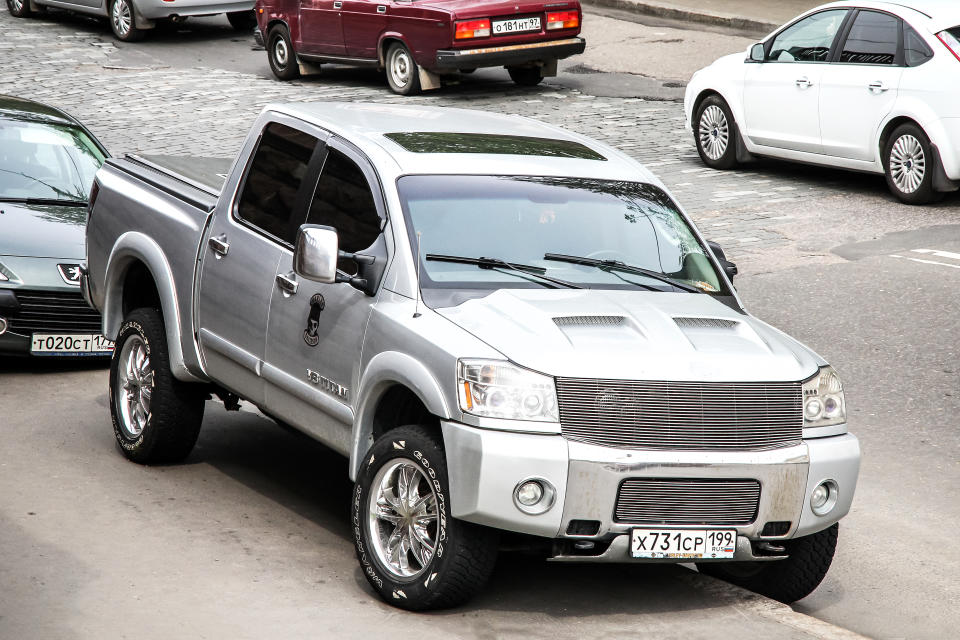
(509, 55)
(158, 9)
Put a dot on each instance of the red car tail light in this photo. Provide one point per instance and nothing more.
(473, 29)
(563, 20)
(950, 42)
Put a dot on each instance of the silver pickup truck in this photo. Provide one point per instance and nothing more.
(505, 326)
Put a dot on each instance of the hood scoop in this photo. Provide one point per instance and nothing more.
(588, 321)
(705, 323)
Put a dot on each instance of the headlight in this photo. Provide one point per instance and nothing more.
(823, 403)
(498, 389)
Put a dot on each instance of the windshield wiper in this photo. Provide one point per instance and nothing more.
(617, 265)
(50, 201)
(493, 263)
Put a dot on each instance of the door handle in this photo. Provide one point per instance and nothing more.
(219, 245)
(877, 87)
(338, 5)
(287, 284)
(804, 82)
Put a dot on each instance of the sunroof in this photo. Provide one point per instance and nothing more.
(446, 142)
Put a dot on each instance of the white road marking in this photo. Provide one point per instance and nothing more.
(939, 253)
(942, 264)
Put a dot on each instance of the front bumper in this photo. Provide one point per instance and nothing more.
(485, 466)
(509, 55)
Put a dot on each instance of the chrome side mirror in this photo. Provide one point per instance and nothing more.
(758, 53)
(315, 253)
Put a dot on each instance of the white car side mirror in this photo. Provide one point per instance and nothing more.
(758, 53)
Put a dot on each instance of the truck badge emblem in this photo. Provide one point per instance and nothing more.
(313, 320)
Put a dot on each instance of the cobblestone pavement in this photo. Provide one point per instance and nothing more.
(207, 112)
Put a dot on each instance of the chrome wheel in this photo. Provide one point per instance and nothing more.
(280, 53)
(402, 517)
(16, 5)
(122, 17)
(135, 378)
(401, 67)
(714, 132)
(908, 164)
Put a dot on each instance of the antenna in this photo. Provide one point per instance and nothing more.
(416, 309)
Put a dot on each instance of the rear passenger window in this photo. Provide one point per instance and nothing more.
(344, 200)
(873, 39)
(915, 50)
(269, 196)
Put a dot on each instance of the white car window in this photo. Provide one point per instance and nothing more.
(808, 40)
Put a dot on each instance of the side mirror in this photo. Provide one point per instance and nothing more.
(729, 268)
(315, 253)
(758, 53)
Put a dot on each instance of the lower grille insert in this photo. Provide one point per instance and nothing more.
(671, 501)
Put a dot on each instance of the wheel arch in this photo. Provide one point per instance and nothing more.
(386, 39)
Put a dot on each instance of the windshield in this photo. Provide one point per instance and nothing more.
(522, 219)
(45, 160)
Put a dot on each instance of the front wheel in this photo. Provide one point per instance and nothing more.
(716, 133)
(785, 580)
(19, 8)
(123, 23)
(242, 20)
(413, 553)
(403, 72)
(525, 76)
(908, 165)
(283, 60)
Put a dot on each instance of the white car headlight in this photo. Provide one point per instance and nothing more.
(823, 403)
(498, 389)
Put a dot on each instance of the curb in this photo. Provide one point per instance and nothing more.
(674, 12)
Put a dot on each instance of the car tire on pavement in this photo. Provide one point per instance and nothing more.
(403, 72)
(156, 418)
(716, 133)
(525, 76)
(283, 59)
(413, 553)
(786, 580)
(242, 20)
(20, 8)
(908, 165)
(123, 21)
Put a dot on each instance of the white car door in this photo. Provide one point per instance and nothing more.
(781, 95)
(858, 89)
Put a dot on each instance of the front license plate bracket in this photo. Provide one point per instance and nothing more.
(683, 544)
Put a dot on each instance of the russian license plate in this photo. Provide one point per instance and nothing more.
(70, 344)
(517, 25)
(683, 543)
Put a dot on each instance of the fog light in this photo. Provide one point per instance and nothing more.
(3, 325)
(824, 497)
(534, 496)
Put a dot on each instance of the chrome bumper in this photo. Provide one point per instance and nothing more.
(485, 466)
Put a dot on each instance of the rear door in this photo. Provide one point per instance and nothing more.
(321, 30)
(316, 333)
(860, 87)
(240, 260)
(363, 22)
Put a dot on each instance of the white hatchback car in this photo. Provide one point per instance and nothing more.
(868, 86)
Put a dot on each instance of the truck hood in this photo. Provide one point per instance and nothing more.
(483, 9)
(633, 335)
(42, 231)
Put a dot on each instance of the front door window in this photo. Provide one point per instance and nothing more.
(809, 40)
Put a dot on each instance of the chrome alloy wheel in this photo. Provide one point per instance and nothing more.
(16, 5)
(135, 386)
(908, 164)
(403, 523)
(401, 67)
(122, 17)
(280, 53)
(714, 132)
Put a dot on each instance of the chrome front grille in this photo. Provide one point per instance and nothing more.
(672, 501)
(52, 312)
(718, 416)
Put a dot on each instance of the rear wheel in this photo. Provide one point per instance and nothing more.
(242, 20)
(716, 133)
(122, 21)
(403, 72)
(19, 8)
(908, 165)
(785, 580)
(283, 60)
(525, 76)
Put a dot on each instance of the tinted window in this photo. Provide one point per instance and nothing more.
(343, 200)
(915, 50)
(444, 142)
(873, 39)
(270, 191)
(808, 40)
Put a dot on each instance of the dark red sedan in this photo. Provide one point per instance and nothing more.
(418, 41)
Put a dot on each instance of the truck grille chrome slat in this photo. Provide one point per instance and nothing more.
(53, 312)
(711, 416)
(672, 501)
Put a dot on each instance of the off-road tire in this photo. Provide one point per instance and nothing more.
(402, 77)
(525, 76)
(785, 580)
(284, 69)
(176, 407)
(133, 34)
(20, 8)
(924, 193)
(242, 21)
(465, 553)
(728, 159)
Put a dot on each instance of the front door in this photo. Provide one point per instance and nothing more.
(316, 332)
(859, 89)
(363, 22)
(240, 260)
(320, 27)
(781, 95)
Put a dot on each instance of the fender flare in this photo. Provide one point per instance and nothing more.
(134, 246)
(385, 370)
(393, 35)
